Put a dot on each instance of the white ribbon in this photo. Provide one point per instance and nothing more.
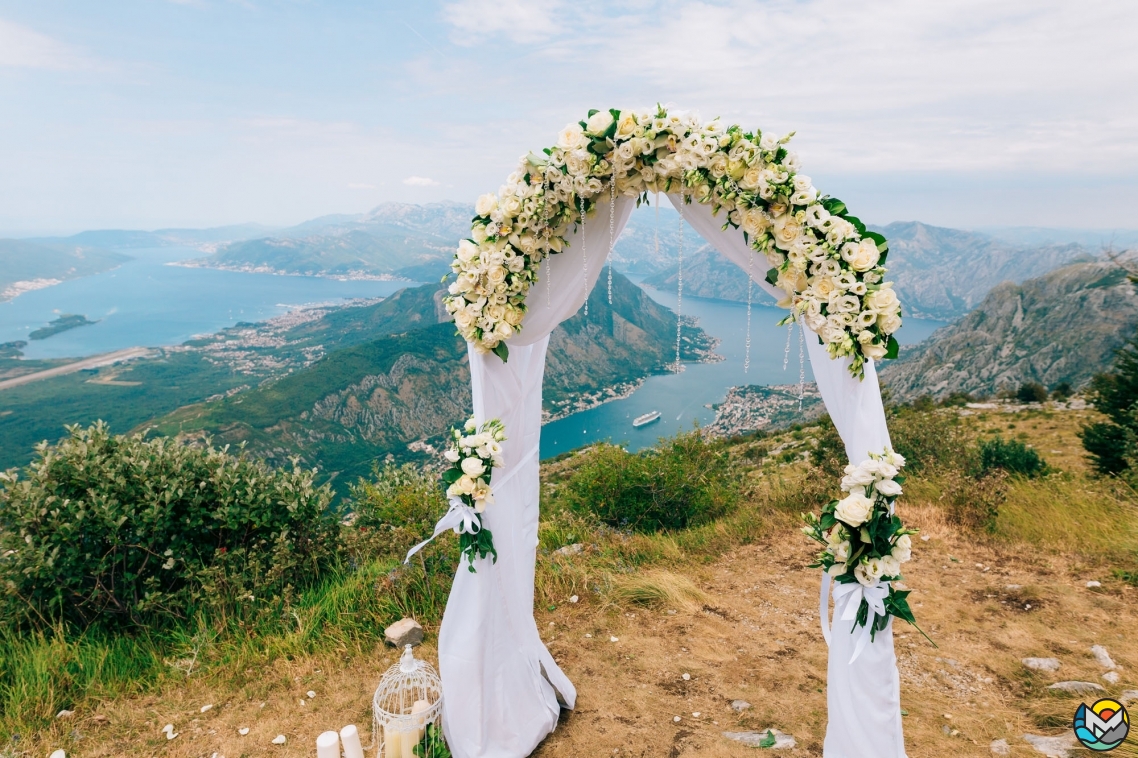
(847, 601)
(460, 517)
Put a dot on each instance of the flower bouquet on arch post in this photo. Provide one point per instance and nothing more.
(474, 451)
(864, 546)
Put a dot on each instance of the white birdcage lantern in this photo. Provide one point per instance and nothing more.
(408, 699)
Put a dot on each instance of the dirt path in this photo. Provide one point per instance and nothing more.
(93, 362)
(756, 639)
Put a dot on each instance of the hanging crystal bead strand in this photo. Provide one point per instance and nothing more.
(750, 284)
(680, 283)
(612, 222)
(584, 256)
(801, 369)
(786, 350)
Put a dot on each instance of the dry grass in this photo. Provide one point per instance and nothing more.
(731, 605)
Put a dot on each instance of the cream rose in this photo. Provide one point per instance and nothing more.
(888, 487)
(598, 123)
(571, 137)
(883, 300)
(889, 322)
(854, 509)
(626, 126)
(872, 351)
(486, 204)
(862, 256)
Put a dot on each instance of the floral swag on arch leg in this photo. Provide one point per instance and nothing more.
(830, 267)
(865, 545)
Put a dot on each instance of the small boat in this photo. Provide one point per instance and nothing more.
(646, 419)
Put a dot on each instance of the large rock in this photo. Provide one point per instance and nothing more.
(1129, 696)
(1103, 657)
(1053, 747)
(755, 739)
(404, 632)
(1078, 688)
(1000, 747)
(739, 705)
(1042, 664)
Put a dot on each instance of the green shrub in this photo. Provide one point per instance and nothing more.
(1011, 456)
(1031, 392)
(974, 502)
(112, 531)
(1062, 391)
(930, 440)
(685, 481)
(1113, 444)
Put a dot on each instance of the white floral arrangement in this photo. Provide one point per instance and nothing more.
(865, 543)
(473, 452)
(830, 267)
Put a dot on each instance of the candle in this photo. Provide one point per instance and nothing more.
(410, 740)
(420, 723)
(328, 745)
(350, 736)
(392, 743)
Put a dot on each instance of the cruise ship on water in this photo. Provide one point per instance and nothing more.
(646, 419)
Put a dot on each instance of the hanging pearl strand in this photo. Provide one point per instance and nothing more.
(750, 284)
(612, 222)
(680, 283)
(801, 369)
(786, 350)
(584, 256)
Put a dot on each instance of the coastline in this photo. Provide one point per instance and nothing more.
(15, 289)
(351, 276)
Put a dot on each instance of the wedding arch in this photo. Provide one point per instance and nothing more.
(536, 250)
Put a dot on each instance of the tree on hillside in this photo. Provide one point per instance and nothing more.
(1113, 444)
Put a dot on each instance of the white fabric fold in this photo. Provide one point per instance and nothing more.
(460, 517)
(847, 602)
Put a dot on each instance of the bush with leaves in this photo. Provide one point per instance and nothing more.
(685, 481)
(1031, 392)
(111, 531)
(974, 502)
(1113, 444)
(1011, 456)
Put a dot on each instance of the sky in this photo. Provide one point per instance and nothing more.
(192, 113)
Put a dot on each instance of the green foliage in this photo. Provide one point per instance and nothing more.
(931, 441)
(1031, 392)
(433, 744)
(829, 453)
(1062, 391)
(1011, 456)
(974, 502)
(685, 481)
(1113, 444)
(113, 531)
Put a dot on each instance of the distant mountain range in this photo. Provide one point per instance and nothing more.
(1061, 327)
(939, 273)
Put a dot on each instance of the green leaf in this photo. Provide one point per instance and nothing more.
(593, 112)
(772, 276)
(835, 206)
(892, 347)
(768, 741)
(501, 351)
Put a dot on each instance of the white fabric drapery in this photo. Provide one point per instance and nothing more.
(503, 690)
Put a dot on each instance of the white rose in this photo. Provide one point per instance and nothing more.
(883, 300)
(889, 322)
(888, 487)
(572, 136)
(598, 123)
(452, 455)
(473, 467)
(885, 469)
(786, 229)
(768, 143)
(856, 476)
(626, 126)
(854, 509)
(486, 204)
(464, 485)
(872, 351)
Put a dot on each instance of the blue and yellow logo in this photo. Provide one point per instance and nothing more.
(1103, 726)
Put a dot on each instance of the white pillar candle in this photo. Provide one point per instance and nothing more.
(410, 740)
(328, 745)
(392, 743)
(350, 736)
(420, 706)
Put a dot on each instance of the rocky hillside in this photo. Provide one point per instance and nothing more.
(26, 265)
(389, 395)
(940, 273)
(1061, 327)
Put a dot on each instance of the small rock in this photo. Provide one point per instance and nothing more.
(588, 636)
(243, 731)
(676, 719)
(1129, 696)
(310, 694)
(574, 599)
(739, 705)
(574, 549)
(99, 718)
(302, 701)
(686, 677)
(925, 538)
(1111, 676)
(614, 639)
(404, 632)
(1000, 747)
(171, 735)
(1013, 586)
(755, 739)
(279, 739)
(1042, 664)
(948, 716)
(58, 754)
(696, 714)
(1077, 688)
(65, 714)
(1093, 584)
(205, 708)
(1056, 747)
(1103, 657)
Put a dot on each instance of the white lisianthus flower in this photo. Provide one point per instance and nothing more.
(857, 476)
(869, 571)
(862, 256)
(888, 487)
(872, 351)
(768, 143)
(486, 204)
(866, 319)
(836, 570)
(464, 485)
(452, 455)
(855, 509)
(598, 123)
(841, 551)
(895, 459)
(886, 470)
(890, 566)
(903, 548)
(889, 322)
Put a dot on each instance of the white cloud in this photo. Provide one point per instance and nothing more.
(420, 181)
(523, 21)
(23, 48)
